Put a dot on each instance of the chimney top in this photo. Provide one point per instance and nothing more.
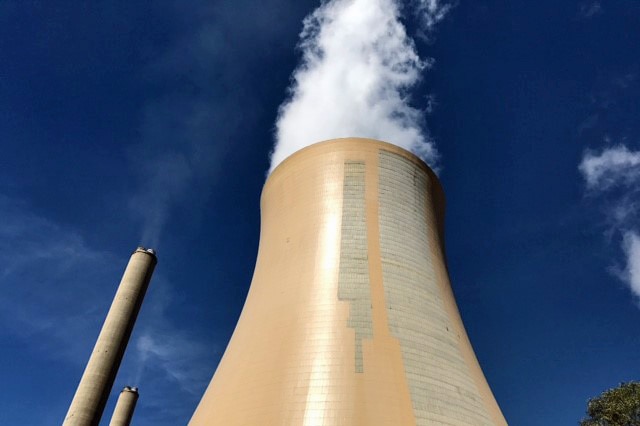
(132, 389)
(150, 251)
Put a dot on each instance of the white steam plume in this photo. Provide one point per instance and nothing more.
(615, 174)
(358, 65)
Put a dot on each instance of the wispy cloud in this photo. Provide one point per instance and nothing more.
(613, 175)
(185, 131)
(161, 347)
(611, 106)
(56, 290)
(174, 161)
(589, 9)
(627, 80)
(613, 166)
(357, 69)
(50, 279)
(168, 362)
(172, 352)
(431, 12)
(205, 100)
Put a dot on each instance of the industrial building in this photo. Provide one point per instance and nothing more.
(350, 318)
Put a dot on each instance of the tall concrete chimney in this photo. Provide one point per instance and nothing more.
(350, 318)
(95, 385)
(123, 412)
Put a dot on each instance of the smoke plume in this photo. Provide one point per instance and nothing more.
(176, 155)
(357, 69)
(202, 99)
(613, 175)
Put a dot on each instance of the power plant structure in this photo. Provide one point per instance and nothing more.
(350, 318)
(97, 380)
(123, 413)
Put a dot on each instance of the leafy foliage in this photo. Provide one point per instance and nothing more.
(615, 407)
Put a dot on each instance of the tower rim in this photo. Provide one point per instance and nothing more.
(437, 188)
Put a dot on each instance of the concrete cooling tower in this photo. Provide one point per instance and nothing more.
(350, 318)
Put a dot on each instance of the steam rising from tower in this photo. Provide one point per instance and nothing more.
(357, 70)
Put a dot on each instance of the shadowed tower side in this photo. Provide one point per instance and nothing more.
(350, 318)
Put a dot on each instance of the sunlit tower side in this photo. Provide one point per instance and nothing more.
(123, 413)
(97, 380)
(350, 318)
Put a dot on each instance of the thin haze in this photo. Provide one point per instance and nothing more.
(186, 130)
(357, 69)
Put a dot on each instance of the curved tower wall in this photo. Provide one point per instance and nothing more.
(350, 318)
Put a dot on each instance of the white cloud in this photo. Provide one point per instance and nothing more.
(614, 176)
(358, 66)
(631, 247)
(613, 166)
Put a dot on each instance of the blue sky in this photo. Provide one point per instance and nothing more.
(151, 122)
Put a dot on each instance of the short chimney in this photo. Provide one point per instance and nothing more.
(123, 413)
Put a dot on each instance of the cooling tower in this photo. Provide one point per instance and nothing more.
(91, 396)
(123, 413)
(350, 318)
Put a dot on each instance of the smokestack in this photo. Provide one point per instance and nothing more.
(123, 413)
(350, 318)
(95, 385)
